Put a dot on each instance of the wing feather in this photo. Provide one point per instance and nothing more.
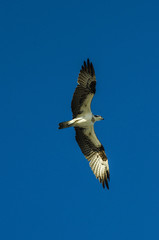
(85, 90)
(94, 153)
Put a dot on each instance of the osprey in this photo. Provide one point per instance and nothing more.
(83, 122)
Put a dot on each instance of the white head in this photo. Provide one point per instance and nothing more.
(98, 117)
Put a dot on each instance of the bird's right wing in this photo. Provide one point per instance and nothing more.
(85, 90)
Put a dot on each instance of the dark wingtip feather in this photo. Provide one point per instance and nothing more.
(103, 184)
(85, 66)
(106, 182)
(108, 175)
(88, 64)
(88, 67)
(92, 70)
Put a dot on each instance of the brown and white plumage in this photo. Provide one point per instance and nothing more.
(83, 122)
(94, 153)
(85, 90)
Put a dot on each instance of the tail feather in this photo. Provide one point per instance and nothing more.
(65, 124)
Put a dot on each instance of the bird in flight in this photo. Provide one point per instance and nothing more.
(83, 122)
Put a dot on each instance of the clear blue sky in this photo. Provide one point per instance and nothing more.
(48, 190)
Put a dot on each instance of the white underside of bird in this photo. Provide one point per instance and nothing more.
(82, 121)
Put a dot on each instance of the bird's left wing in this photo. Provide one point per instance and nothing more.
(94, 153)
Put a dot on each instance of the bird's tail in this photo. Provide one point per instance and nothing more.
(65, 124)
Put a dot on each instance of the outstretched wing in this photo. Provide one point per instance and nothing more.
(94, 153)
(85, 90)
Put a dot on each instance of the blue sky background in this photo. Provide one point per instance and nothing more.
(48, 190)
